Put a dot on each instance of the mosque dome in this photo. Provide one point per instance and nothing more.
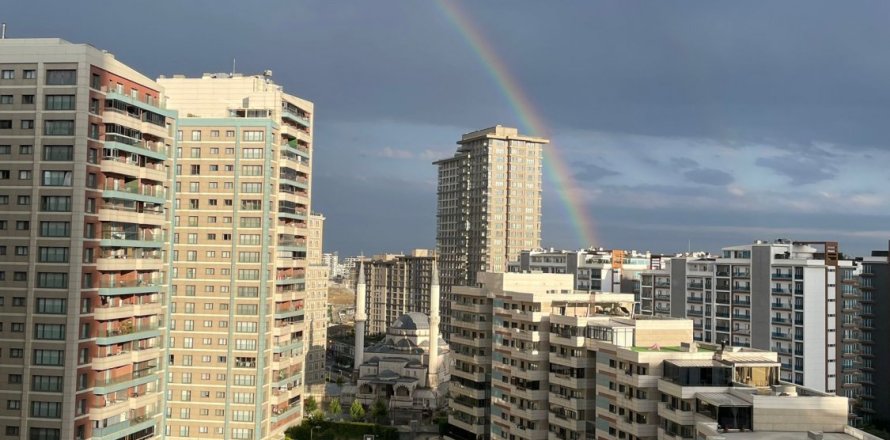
(411, 321)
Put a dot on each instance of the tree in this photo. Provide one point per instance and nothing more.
(356, 411)
(379, 412)
(310, 405)
(334, 409)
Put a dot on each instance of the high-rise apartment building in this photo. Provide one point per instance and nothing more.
(243, 259)
(874, 284)
(794, 298)
(85, 147)
(316, 310)
(489, 206)
(595, 270)
(396, 285)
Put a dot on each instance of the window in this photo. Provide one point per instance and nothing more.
(6, 99)
(252, 153)
(58, 128)
(57, 178)
(29, 74)
(52, 280)
(230, 133)
(52, 306)
(253, 187)
(4, 200)
(7, 74)
(21, 251)
(26, 149)
(253, 135)
(5, 149)
(44, 434)
(27, 124)
(53, 255)
(23, 200)
(24, 174)
(59, 102)
(49, 410)
(49, 357)
(20, 276)
(55, 229)
(61, 77)
(28, 99)
(196, 135)
(22, 225)
(195, 170)
(55, 203)
(52, 332)
(57, 153)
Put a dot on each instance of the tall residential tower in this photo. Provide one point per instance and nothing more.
(239, 331)
(84, 158)
(489, 205)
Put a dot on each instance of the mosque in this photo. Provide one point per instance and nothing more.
(409, 368)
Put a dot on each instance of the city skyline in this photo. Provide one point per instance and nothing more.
(662, 113)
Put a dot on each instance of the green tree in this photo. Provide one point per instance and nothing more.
(310, 405)
(334, 409)
(379, 412)
(356, 411)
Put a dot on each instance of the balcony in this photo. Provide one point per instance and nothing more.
(121, 213)
(128, 167)
(694, 312)
(663, 296)
(741, 288)
(125, 334)
(781, 335)
(781, 306)
(741, 317)
(662, 284)
(781, 321)
(295, 116)
(781, 292)
(281, 415)
(128, 264)
(695, 299)
(132, 239)
(125, 428)
(117, 310)
(128, 286)
(781, 276)
(741, 303)
(695, 286)
(133, 191)
(746, 331)
(111, 384)
(125, 357)
(155, 150)
(741, 275)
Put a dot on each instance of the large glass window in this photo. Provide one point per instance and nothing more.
(52, 280)
(55, 203)
(58, 128)
(49, 357)
(53, 255)
(59, 102)
(52, 306)
(58, 152)
(55, 229)
(53, 332)
(57, 178)
(61, 77)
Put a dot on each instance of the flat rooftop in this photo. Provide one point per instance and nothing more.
(777, 435)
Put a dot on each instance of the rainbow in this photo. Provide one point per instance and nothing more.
(556, 167)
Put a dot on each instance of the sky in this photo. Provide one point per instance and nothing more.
(697, 124)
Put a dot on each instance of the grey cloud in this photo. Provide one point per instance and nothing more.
(682, 163)
(802, 170)
(709, 176)
(593, 172)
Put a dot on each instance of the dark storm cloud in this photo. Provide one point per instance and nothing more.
(395, 85)
(709, 176)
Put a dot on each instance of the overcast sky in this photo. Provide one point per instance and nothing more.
(709, 122)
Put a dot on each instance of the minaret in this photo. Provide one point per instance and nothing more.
(360, 317)
(434, 329)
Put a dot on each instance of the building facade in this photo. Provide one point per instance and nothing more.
(795, 298)
(489, 205)
(595, 270)
(245, 273)
(396, 285)
(85, 145)
(874, 285)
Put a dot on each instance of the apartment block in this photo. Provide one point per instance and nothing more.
(396, 285)
(595, 270)
(489, 205)
(795, 298)
(316, 310)
(85, 151)
(244, 259)
(873, 403)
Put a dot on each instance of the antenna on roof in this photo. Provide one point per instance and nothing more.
(3, 31)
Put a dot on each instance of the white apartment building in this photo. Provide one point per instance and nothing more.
(788, 297)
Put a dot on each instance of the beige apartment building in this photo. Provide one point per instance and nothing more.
(245, 256)
(85, 151)
(535, 359)
(489, 205)
(396, 285)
